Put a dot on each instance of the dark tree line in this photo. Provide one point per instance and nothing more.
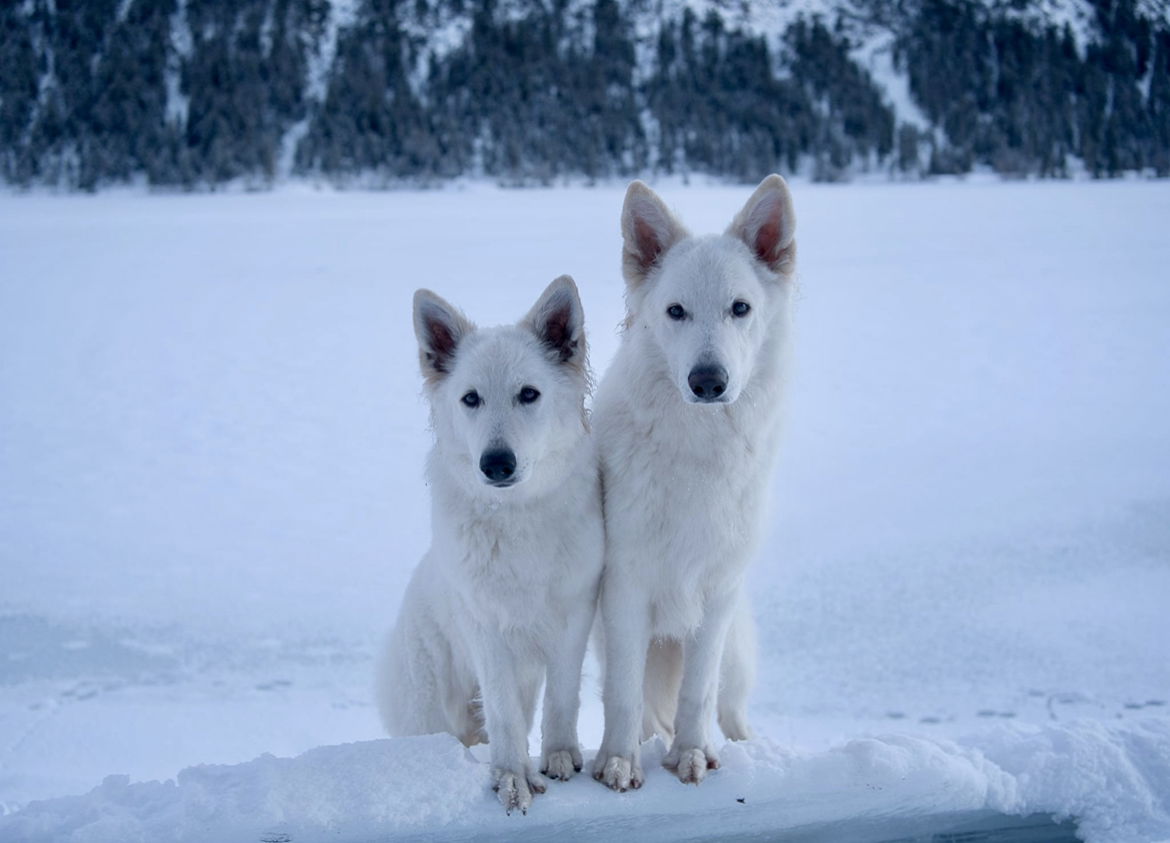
(1024, 101)
(518, 99)
(201, 92)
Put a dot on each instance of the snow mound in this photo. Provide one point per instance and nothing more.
(1114, 780)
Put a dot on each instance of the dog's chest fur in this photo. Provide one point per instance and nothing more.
(684, 485)
(516, 566)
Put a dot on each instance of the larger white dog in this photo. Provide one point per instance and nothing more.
(686, 423)
(507, 592)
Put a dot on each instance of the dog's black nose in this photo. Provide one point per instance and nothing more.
(708, 381)
(498, 465)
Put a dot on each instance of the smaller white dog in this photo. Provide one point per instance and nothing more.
(506, 595)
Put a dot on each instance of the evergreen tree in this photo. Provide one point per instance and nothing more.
(538, 91)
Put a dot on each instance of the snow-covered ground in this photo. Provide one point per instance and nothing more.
(211, 496)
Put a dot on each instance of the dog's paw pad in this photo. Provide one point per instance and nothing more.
(514, 790)
(618, 773)
(560, 765)
(691, 765)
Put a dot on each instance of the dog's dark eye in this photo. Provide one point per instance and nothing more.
(740, 308)
(676, 312)
(528, 395)
(471, 399)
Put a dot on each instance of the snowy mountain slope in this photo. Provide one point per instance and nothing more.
(389, 93)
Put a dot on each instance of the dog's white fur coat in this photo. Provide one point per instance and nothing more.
(685, 482)
(506, 595)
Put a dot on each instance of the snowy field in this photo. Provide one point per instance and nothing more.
(211, 497)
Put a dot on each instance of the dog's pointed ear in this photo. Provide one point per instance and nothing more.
(649, 229)
(440, 328)
(767, 224)
(558, 320)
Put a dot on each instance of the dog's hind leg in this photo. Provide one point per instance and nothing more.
(468, 713)
(422, 688)
(664, 668)
(737, 674)
(411, 689)
(463, 702)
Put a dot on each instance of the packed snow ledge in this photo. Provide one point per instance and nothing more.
(1113, 781)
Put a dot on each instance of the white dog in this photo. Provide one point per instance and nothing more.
(506, 595)
(686, 423)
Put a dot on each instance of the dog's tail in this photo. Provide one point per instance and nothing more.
(664, 668)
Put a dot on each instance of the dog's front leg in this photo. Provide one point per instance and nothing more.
(560, 754)
(625, 614)
(509, 696)
(691, 755)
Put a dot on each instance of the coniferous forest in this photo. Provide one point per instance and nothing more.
(198, 93)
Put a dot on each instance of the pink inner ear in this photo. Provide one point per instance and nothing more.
(557, 327)
(555, 333)
(768, 239)
(442, 345)
(649, 245)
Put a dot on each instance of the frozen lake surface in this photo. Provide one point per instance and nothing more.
(211, 496)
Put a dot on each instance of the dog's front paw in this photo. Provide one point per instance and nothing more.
(618, 772)
(690, 764)
(516, 788)
(560, 764)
